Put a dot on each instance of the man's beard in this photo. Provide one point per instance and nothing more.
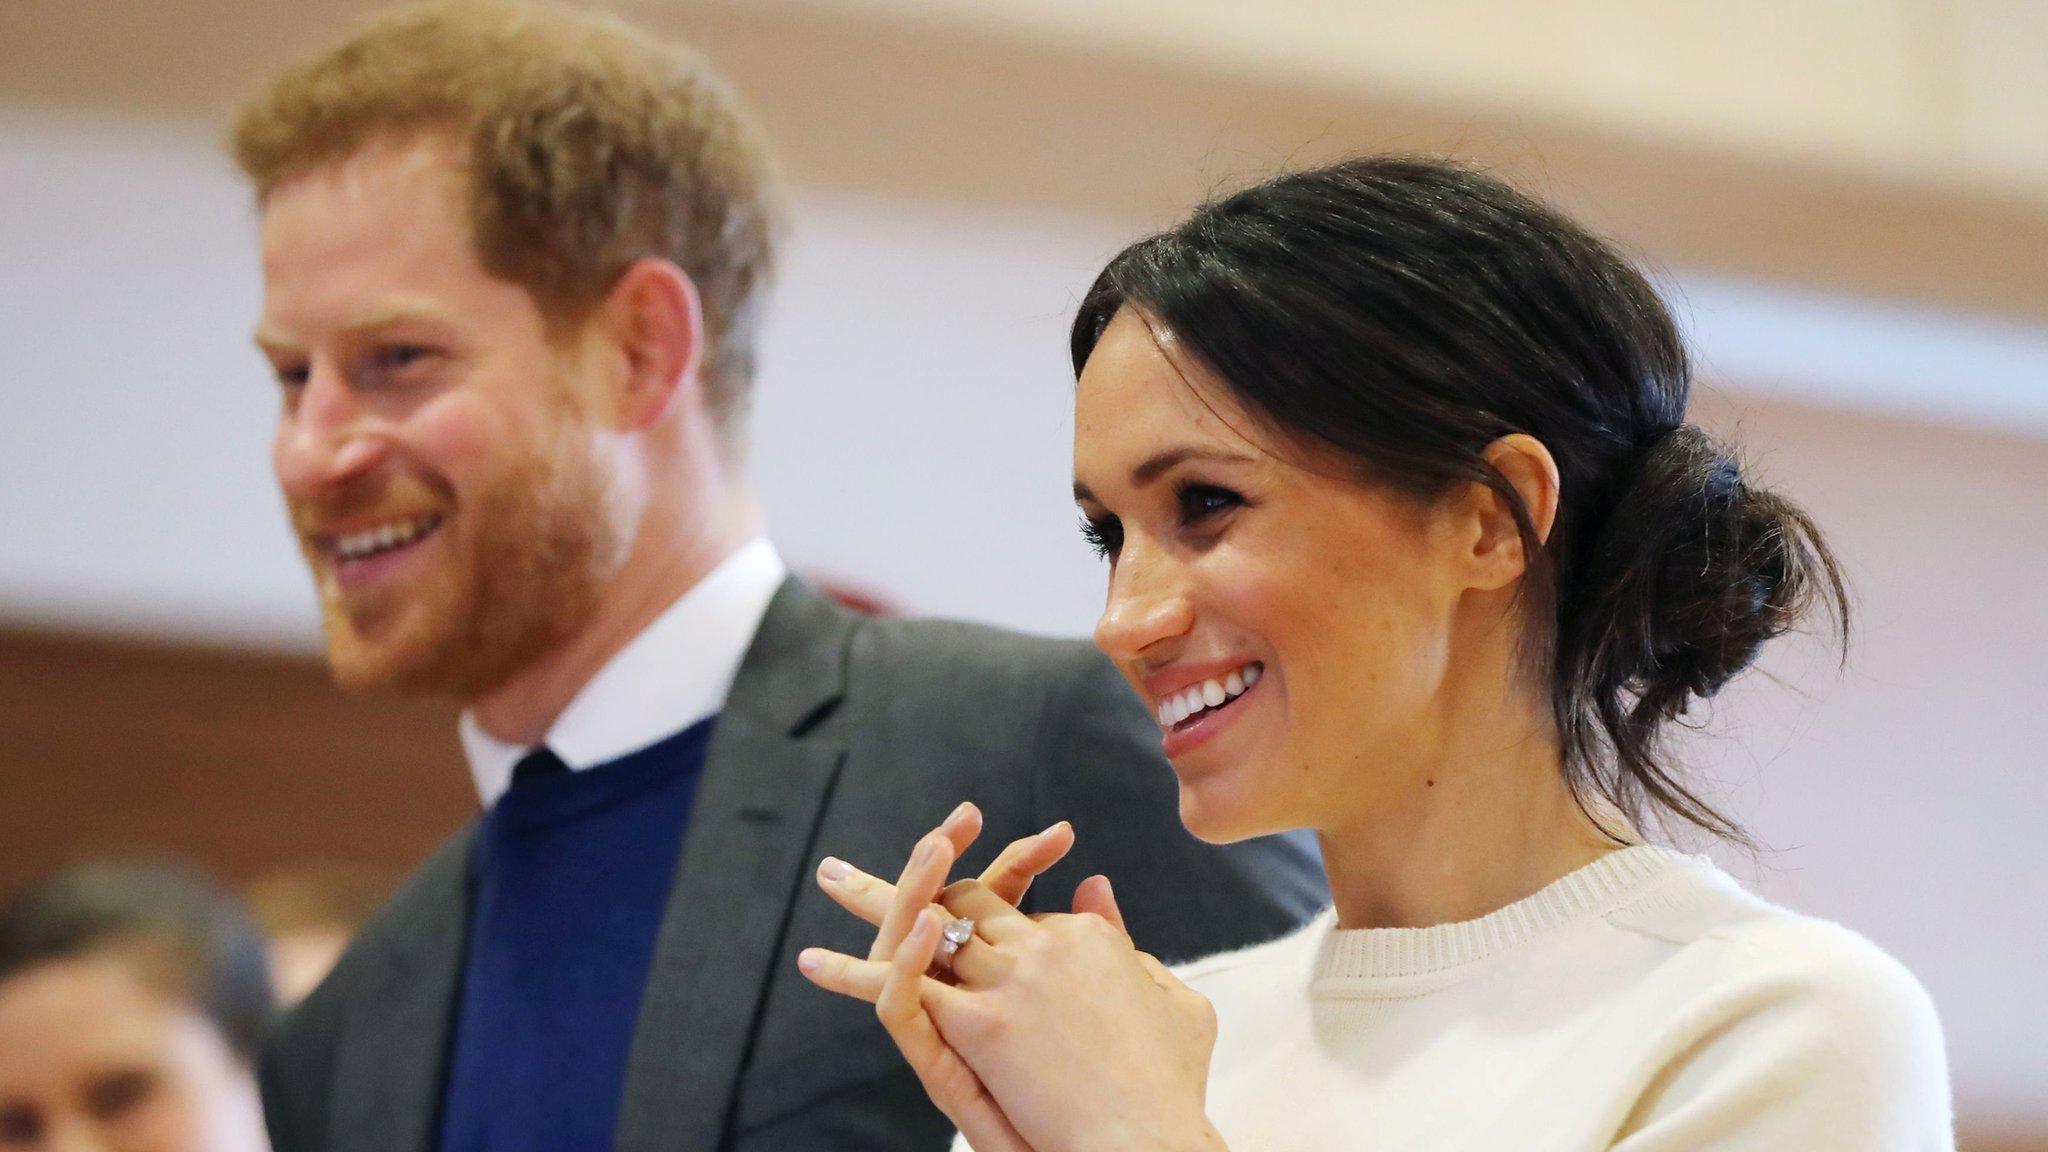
(531, 554)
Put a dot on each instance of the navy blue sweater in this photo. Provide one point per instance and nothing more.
(572, 872)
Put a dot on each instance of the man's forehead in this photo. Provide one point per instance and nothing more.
(383, 195)
(366, 240)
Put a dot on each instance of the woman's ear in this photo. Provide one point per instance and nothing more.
(1497, 546)
(656, 322)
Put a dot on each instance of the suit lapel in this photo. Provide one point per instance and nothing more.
(745, 855)
(393, 1051)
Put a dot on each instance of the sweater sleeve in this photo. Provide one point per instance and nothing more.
(1815, 1040)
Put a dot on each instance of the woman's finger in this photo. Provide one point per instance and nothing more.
(1095, 895)
(995, 920)
(962, 826)
(976, 965)
(846, 975)
(867, 897)
(916, 888)
(900, 1004)
(1023, 861)
(1009, 877)
(947, 1079)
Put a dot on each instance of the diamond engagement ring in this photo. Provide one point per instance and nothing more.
(956, 933)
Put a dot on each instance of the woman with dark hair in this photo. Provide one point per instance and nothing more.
(132, 1002)
(1410, 544)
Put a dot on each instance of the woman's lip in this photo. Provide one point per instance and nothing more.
(1179, 678)
(1183, 738)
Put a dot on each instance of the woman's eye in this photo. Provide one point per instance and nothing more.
(1104, 535)
(1198, 502)
(114, 1095)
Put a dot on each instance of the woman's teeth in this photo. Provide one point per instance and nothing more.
(1208, 694)
(359, 545)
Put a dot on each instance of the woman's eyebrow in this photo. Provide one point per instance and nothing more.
(1159, 463)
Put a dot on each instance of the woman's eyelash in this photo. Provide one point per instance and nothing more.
(1104, 536)
(1201, 500)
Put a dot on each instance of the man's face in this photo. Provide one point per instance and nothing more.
(434, 446)
(91, 1057)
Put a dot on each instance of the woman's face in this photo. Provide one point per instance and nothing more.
(91, 1056)
(1320, 610)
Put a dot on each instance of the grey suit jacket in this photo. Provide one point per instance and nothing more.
(843, 736)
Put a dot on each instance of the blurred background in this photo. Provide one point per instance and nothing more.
(1847, 201)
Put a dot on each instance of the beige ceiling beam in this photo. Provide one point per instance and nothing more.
(958, 111)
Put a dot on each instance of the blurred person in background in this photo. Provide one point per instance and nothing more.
(514, 262)
(310, 913)
(132, 1003)
(1410, 543)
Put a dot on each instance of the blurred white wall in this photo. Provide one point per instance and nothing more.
(912, 434)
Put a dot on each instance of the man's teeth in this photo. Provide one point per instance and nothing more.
(1207, 694)
(357, 545)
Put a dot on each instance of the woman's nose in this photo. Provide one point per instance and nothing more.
(1147, 604)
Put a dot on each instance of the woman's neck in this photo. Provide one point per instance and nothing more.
(1482, 825)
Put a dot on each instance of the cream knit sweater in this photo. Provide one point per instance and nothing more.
(1644, 1003)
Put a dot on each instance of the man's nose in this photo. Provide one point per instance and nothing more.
(326, 437)
(1147, 604)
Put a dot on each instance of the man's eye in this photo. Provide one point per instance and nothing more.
(397, 356)
(1198, 502)
(1104, 535)
(291, 375)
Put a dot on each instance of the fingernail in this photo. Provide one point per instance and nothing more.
(834, 869)
(925, 850)
(1051, 830)
(810, 960)
(964, 808)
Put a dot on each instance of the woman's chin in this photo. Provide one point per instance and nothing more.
(1219, 816)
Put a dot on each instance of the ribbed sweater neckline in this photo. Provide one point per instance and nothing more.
(1355, 954)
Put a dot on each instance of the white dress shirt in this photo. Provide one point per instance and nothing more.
(673, 674)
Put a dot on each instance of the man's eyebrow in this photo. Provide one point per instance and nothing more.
(1159, 463)
(268, 339)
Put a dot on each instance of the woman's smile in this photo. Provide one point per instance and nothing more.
(1201, 705)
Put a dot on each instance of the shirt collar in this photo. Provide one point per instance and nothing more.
(676, 672)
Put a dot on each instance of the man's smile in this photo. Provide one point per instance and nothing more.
(365, 555)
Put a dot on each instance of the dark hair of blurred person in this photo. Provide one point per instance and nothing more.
(132, 1002)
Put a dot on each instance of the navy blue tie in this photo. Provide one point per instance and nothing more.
(537, 765)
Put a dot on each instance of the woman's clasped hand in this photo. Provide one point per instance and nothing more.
(1048, 1032)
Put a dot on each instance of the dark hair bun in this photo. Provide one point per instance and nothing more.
(1693, 572)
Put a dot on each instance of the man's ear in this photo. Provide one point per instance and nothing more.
(1497, 547)
(656, 321)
